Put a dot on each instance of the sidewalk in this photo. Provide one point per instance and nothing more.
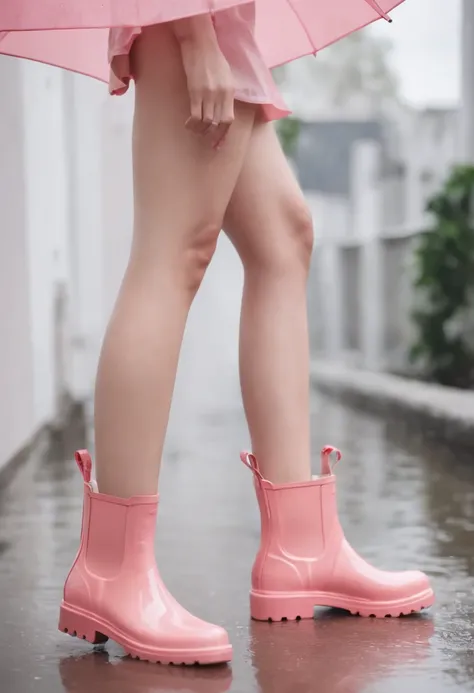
(447, 411)
(409, 503)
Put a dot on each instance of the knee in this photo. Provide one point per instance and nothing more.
(300, 235)
(197, 254)
(286, 250)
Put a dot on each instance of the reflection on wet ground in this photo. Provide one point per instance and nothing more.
(403, 502)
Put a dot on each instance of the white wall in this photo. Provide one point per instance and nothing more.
(16, 364)
(45, 208)
(84, 101)
(51, 260)
(117, 194)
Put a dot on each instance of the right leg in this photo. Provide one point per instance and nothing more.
(182, 188)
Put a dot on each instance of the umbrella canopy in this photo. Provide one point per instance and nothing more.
(74, 35)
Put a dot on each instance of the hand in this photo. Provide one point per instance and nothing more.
(209, 78)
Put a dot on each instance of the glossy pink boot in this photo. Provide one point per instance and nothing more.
(304, 560)
(114, 589)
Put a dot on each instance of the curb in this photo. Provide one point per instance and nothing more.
(447, 412)
(41, 439)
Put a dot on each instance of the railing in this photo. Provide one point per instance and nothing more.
(361, 293)
(363, 313)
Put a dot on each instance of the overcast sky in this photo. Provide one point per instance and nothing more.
(426, 38)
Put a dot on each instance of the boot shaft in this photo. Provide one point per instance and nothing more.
(298, 519)
(300, 530)
(117, 533)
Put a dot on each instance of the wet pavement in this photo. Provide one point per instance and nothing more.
(404, 502)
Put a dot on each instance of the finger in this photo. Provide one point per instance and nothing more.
(214, 126)
(194, 122)
(227, 118)
(220, 135)
(208, 113)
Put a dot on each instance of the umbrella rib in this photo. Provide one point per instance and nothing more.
(373, 3)
(298, 16)
(375, 6)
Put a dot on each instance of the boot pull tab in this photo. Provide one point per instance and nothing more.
(84, 463)
(250, 461)
(326, 466)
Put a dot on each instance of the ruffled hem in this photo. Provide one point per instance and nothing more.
(120, 44)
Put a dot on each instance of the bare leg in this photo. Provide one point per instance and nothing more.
(182, 188)
(270, 226)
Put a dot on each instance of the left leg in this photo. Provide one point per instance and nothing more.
(270, 226)
(304, 559)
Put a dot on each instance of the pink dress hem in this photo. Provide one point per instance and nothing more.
(235, 30)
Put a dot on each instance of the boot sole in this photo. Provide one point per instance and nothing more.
(81, 624)
(293, 607)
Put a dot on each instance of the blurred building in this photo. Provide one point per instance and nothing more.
(65, 227)
(368, 180)
(368, 163)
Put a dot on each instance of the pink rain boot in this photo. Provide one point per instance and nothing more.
(114, 589)
(304, 560)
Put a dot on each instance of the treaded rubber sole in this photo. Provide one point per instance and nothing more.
(80, 624)
(284, 607)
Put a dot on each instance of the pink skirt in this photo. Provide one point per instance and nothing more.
(254, 36)
(236, 36)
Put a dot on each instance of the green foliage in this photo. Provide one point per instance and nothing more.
(445, 283)
(288, 130)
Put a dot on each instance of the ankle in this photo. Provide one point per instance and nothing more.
(285, 470)
(129, 487)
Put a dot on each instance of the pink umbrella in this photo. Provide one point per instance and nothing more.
(74, 34)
